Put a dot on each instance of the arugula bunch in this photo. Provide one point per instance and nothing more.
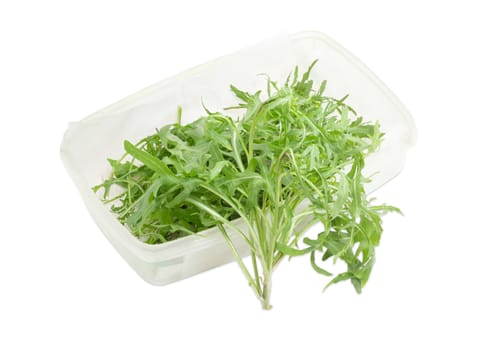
(292, 160)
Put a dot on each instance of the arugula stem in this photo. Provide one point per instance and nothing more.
(240, 263)
(257, 278)
(266, 291)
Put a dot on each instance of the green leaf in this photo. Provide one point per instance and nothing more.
(244, 96)
(306, 75)
(322, 87)
(357, 284)
(312, 242)
(339, 278)
(316, 267)
(147, 159)
(341, 195)
(217, 169)
(292, 251)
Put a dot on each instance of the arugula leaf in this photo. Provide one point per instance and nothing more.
(147, 159)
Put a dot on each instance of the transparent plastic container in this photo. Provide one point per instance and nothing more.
(88, 143)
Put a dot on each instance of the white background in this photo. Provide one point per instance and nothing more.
(64, 287)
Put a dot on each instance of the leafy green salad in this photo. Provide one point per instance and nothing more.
(294, 158)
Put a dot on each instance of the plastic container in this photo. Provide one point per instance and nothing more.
(88, 143)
